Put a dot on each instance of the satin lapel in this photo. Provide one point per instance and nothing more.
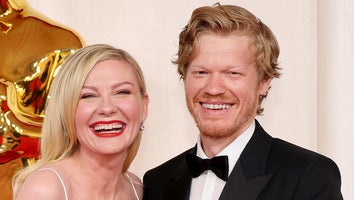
(179, 184)
(250, 175)
(239, 187)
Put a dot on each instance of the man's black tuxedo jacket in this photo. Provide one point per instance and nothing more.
(268, 169)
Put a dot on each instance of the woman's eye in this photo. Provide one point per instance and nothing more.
(123, 92)
(87, 96)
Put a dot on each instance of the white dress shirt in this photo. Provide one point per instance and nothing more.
(208, 186)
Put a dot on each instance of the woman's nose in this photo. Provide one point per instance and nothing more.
(107, 106)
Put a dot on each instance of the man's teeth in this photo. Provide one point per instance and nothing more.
(108, 127)
(216, 106)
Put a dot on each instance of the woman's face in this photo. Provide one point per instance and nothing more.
(110, 109)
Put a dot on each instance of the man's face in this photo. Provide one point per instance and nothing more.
(222, 87)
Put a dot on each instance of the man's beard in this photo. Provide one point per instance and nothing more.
(213, 132)
(229, 127)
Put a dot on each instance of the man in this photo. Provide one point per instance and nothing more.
(227, 59)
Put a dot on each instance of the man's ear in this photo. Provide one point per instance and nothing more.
(264, 86)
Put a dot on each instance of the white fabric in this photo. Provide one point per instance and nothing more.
(208, 186)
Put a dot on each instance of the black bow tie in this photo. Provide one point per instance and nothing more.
(219, 165)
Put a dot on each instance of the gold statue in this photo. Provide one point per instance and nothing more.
(32, 48)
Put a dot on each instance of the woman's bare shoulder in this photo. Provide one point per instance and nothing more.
(41, 184)
(137, 183)
(134, 178)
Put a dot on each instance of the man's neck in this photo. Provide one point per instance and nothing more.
(213, 146)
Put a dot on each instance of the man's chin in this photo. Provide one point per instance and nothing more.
(215, 133)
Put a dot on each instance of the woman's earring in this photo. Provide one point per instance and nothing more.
(142, 127)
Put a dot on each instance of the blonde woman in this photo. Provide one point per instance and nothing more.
(91, 133)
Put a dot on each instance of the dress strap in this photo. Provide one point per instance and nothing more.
(60, 179)
(132, 184)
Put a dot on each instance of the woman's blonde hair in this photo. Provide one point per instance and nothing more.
(58, 135)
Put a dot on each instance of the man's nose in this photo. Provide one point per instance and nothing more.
(215, 85)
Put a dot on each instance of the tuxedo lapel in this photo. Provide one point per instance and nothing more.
(239, 187)
(249, 175)
(178, 186)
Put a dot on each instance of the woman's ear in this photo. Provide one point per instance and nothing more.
(145, 106)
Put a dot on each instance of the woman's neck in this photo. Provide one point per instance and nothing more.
(102, 179)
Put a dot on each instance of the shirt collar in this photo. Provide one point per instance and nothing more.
(234, 149)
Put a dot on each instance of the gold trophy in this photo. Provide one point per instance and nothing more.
(32, 49)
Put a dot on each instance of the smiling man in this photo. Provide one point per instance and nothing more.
(227, 59)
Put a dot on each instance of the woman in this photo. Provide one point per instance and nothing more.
(91, 133)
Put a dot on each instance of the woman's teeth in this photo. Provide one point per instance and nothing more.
(108, 127)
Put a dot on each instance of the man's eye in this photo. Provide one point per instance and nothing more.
(232, 73)
(200, 72)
